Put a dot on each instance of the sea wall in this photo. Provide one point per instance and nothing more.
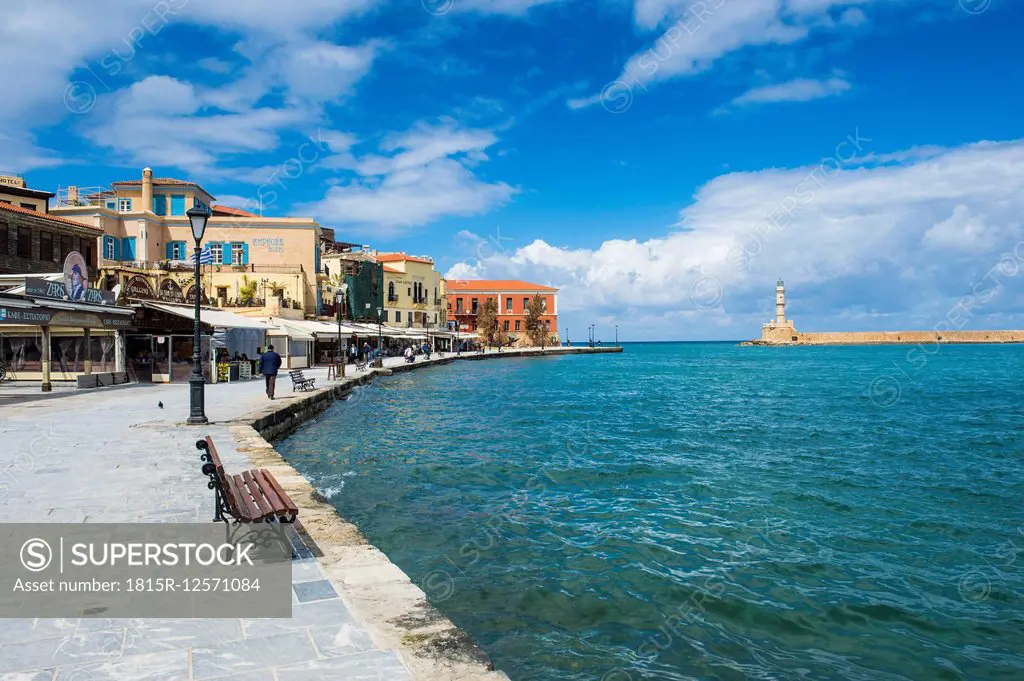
(395, 612)
(887, 337)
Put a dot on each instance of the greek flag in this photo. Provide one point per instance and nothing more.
(205, 256)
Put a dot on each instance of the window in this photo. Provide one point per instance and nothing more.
(3, 240)
(526, 304)
(217, 252)
(391, 291)
(108, 248)
(458, 306)
(508, 305)
(547, 324)
(398, 315)
(475, 304)
(124, 205)
(24, 242)
(159, 204)
(30, 206)
(384, 318)
(237, 254)
(66, 246)
(177, 204)
(46, 246)
(408, 291)
(518, 322)
(87, 254)
(543, 304)
(222, 292)
(505, 325)
(178, 250)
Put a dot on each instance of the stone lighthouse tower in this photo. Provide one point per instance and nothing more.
(780, 303)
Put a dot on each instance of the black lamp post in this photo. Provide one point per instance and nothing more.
(458, 348)
(196, 383)
(339, 358)
(380, 335)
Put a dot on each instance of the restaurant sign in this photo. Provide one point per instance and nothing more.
(9, 315)
(138, 288)
(73, 286)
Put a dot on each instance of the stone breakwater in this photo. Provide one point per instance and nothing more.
(394, 611)
(891, 338)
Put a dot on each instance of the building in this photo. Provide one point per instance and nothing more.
(13, 191)
(32, 241)
(145, 245)
(363, 277)
(466, 297)
(780, 329)
(413, 292)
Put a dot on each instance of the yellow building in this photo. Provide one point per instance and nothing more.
(257, 262)
(414, 294)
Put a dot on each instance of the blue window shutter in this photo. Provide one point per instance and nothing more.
(170, 251)
(159, 204)
(128, 248)
(112, 205)
(245, 254)
(117, 249)
(225, 255)
(177, 204)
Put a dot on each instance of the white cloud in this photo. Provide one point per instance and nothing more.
(425, 174)
(694, 35)
(800, 90)
(508, 7)
(904, 241)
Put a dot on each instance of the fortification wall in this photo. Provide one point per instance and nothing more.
(890, 337)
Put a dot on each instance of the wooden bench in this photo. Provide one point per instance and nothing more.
(300, 382)
(253, 496)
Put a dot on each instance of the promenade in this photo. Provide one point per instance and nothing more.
(117, 456)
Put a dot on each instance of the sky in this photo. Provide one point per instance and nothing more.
(662, 162)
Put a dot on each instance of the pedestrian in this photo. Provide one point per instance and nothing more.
(366, 351)
(352, 352)
(270, 362)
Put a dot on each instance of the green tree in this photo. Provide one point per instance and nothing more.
(536, 331)
(487, 322)
(247, 291)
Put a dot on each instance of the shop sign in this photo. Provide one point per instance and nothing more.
(74, 285)
(190, 296)
(170, 292)
(139, 288)
(117, 322)
(79, 319)
(16, 315)
(270, 245)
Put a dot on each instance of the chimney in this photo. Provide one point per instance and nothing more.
(147, 189)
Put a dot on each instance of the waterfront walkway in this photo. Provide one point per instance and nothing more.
(103, 457)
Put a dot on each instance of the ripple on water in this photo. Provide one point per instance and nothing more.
(701, 511)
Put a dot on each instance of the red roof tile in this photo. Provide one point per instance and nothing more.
(158, 181)
(46, 216)
(401, 257)
(499, 285)
(392, 270)
(228, 210)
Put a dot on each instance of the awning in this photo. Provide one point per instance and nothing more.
(291, 329)
(215, 318)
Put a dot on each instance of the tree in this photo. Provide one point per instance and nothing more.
(487, 324)
(536, 331)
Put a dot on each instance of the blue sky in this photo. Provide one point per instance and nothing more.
(649, 157)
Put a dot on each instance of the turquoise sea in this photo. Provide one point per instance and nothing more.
(702, 511)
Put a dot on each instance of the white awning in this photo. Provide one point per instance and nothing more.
(291, 329)
(216, 318)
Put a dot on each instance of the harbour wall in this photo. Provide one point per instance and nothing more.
(790, 337)
(395, 611)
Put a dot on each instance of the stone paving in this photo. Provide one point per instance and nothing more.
(110, 456)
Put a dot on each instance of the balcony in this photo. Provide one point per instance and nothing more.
(392, 298)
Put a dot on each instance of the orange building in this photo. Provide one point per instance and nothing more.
(467, 296)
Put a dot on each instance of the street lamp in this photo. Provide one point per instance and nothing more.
(198, 217)
(339, 299)
(380, 335)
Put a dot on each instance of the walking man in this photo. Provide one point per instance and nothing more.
(270, 362)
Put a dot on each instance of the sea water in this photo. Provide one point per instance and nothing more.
(702, 511)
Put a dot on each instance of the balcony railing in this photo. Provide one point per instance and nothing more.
(392, 299)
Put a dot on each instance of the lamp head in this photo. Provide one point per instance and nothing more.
(198, 216)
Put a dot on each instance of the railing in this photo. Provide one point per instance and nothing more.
(392, 299)
(187, 265)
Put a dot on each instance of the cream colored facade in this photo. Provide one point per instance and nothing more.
(414, 294)
(145, 228)
(13, 190)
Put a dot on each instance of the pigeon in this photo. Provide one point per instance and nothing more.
(160, 404)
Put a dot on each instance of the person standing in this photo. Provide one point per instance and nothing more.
(270, 362)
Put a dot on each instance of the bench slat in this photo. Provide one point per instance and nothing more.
(247, 511)
(285, 500)
(257, 494)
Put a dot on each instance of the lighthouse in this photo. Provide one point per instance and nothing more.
(780, 303)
